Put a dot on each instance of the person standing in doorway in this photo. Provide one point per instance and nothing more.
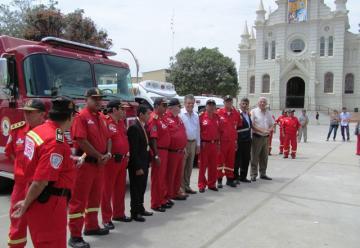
(304, 121)
(344, 122)
(263, 123)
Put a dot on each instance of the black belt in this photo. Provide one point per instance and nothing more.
(176, 150)
(118, 157)
(260, 136)
(49, 190)
(163, 148)
(210, 141)
(91, 160)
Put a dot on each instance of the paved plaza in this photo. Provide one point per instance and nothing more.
(312, 202)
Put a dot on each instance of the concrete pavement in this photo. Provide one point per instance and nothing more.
(313, 201)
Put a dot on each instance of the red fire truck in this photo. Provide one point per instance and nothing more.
(49, 68)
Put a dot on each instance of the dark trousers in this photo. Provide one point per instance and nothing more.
(242, 159)
(343, 128)
(335, 128)
(137, 191)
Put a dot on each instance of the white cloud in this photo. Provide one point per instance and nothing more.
(144, 26)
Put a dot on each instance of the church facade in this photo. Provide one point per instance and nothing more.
(302, 55)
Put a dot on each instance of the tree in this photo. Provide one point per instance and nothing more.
(24, 19)
(203, 71)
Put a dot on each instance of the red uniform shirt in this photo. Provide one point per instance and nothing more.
(90, 126)
(280, 120)
(15, 146)
(118, 136)
(209, 127)
(178, 138)
(159, 130)
(291, 125)
(229, 123)
(47, 156)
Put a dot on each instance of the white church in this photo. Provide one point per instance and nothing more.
(302, 55)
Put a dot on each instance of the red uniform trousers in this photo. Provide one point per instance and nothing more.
(175, 168)
(49, 232)
(270, 140)
(227, 157)
(113, 195)
(159, 182)
(207, 162)
(86, 196)
(18, 226)
(290, 140)
(282, 141)
(358, 145)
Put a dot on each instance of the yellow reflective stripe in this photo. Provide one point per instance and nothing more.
(75, 216)
(16, 241)
(89, 210)
(35, 137)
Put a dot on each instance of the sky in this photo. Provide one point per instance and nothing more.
(144, 26)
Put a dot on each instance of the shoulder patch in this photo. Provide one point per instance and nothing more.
(59, 135)
(56, 160)
(17, 125)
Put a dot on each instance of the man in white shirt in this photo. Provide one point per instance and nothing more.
(263, 124)
(192, 127)
(344, 122)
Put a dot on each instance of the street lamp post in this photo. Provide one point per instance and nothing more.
(136, 63)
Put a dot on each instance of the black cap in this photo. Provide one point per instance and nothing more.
(174, 102)
(34, 105)
(93, 92)
(210, 102)
(160, 100)
(63, 105)
(228, 98)
(290, 110)
(117, 104)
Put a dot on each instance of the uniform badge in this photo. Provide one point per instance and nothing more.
(205, 122)
(112, 128)
(29, 148)
(90, 122)
(55, 160)
(59, 135)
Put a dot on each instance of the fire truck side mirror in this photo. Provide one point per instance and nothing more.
(3, 72)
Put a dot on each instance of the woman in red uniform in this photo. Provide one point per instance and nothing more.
(51, 174)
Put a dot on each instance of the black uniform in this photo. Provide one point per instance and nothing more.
(243, 152)
(139, 159)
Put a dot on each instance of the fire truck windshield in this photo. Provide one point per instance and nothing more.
(114, 81)
(48, 75)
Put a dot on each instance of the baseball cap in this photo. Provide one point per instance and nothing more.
(228, 98)
(63, 104)
(93, 92)
(210, 102)
(174, 102)
(34, 105)
(117, 104)
(160, 100)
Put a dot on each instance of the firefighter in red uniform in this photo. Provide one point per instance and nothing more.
(229, 122)
(113, 195)
(209, 134)
(279, 122)
(159, 142)
(178, 141)
(291, 126)
(50, 172)
(271, 134)
(90, 136)
(34, 114)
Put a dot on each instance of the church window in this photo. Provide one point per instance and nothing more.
(331, 46)
(252, 85)
(322, 47)
(297, 45)
(328, 82)
(349, 83)
(265, 84)
(266, 50)
(273, 49)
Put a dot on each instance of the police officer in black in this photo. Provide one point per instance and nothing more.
(139, 161)
(243, 152)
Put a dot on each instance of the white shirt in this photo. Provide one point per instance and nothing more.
(192, 125)
(344, 117)
(261, 119)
